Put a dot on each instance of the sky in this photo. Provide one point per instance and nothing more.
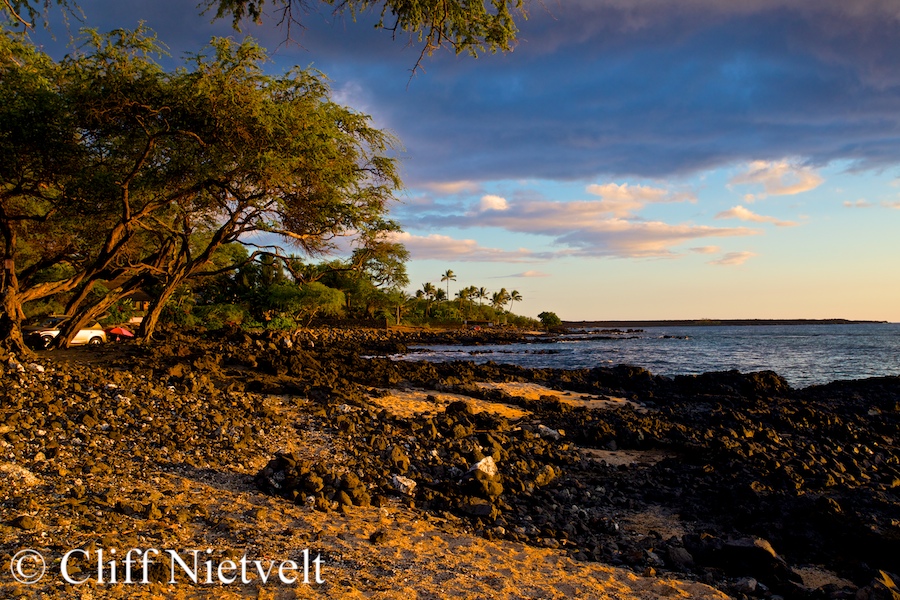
(629, 159)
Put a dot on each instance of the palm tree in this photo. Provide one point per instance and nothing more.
(428, 291)
(448, 277)
(514, 296)
(399, 299)
(465, 296)
(499, 299)
(482, 294)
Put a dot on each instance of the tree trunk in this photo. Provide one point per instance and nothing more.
(11, 323)
(151, 319)
(11, 316)
(91, 313)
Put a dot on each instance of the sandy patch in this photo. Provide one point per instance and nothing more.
(13, 473)
(627, 458)
(407, 403)
(815, 577)
(533, 391)
(655, 519)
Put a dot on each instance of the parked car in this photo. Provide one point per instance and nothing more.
(40, 336)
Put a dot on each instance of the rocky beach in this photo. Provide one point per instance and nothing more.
(364, 477)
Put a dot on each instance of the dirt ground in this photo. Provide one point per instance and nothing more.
(208, 504)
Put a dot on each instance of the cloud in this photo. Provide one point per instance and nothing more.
(584, 228)
(436, 246)
(778, 178)
(527, 274)
(733, 258)
(895, 204)
(452, 187)
(622, 200)
(705, 249)
(858, 204)
(491, 202)
(640, 88)
(743, 214)
(615, 87)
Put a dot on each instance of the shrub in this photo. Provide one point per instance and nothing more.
(549, 319)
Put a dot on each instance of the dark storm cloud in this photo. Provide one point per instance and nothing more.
(595, 88)
(651, 89)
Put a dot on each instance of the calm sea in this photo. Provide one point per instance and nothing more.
(802, 354)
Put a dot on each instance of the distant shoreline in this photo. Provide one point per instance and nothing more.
(717, 322)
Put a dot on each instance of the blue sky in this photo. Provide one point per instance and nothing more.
(632, 159)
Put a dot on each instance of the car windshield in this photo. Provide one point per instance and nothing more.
(51, 322)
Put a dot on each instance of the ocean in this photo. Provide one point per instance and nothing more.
(803, 354)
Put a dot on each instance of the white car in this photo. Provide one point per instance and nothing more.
(41, 335)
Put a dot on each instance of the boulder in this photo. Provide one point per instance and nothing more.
(403, 485)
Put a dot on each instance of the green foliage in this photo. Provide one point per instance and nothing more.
(462, 25)
(120, 312)
(217, 316)
(317, 298)
(179, 309)
(180, 316)
(549, 319)
(380, 259)
(281, 322)
(445, 311)
(522, 322)
(43, 308)
(288, 305)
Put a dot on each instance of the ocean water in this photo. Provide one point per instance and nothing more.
(802, 354)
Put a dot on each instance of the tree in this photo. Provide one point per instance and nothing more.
(381, 260)
(398, 299)
(302, 304)
(428, 290)
(549, 319)
(144, 174)
(514, 296)
(481, 294)
(448, 277)
(460, 25)
(499, 299)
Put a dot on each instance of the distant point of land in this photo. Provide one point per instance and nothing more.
(715, 323)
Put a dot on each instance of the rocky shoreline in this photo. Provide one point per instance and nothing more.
(735, 481)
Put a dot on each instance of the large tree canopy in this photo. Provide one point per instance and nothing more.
(115, 171)
(471, 26)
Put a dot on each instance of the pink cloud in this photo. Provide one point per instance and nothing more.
(778, 178)
(743, 214)
(858, 204)
(436, 246)
(733, 258)
(453, 187)
(586, 228)
(529, 274)
(624, 200)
